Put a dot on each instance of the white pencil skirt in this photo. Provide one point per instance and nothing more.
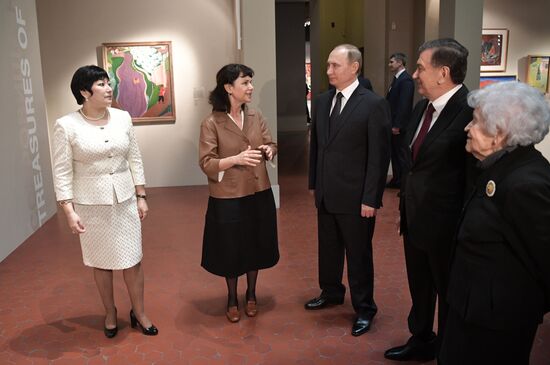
(112, 240)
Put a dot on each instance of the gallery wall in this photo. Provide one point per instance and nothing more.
(529, 34)
(203, 39)
(26, 179)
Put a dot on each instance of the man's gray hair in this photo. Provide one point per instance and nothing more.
(398, 56)
(514, 108)
(354, 55)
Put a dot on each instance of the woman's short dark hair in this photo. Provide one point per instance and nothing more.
(84, 78)
(226, 75)
(448, 52)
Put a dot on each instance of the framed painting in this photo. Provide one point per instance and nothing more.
(537, 72)
(142, 80)
(494, 50)
(488, 80)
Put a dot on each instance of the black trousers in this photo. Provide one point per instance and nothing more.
(349, 236)
(468, 344)
(428, 276)
(398, 156)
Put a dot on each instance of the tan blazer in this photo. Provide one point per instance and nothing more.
(219, 138)
(93, 164)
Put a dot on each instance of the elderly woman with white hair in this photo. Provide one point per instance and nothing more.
(499, 287)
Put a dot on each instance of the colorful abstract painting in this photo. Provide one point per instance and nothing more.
(488, 80)
(142, 81)
(494, 49)
(537, 72)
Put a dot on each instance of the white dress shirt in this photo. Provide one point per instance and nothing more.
(439, 105)
(346, 95)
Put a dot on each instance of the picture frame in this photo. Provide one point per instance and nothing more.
(537, 72)
(488, 80)
(494, 50)
(142, 79)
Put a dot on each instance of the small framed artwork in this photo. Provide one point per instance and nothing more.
(142, 80)
(488, 80)
(537, 72)
(494, 50)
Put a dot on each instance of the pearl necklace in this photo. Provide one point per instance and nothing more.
(92, 119)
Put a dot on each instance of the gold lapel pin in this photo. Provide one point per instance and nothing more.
(491, 188)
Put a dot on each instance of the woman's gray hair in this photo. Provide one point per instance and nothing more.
(514, 108)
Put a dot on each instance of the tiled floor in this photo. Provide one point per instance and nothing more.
(50, 312)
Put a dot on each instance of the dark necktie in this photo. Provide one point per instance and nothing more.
(335, 111)
(391, 86)
(423, 130)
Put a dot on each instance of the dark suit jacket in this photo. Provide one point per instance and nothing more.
(432, 190)
(400, 98)
(348, 167)
(500, 278)
(363, 81)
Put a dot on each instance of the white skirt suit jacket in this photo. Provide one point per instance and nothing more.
(94, 165)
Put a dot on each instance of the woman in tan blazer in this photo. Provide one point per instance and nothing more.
(100, 184)
(240, 233)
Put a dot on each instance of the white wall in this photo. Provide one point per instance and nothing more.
(529, 34)
(258, 52)
(203, 39)
(26, 179)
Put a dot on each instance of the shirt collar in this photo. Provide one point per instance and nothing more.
(399, 73)
(440, 102)
(349, 90)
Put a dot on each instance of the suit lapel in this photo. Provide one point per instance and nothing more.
(323, 124)
(415, 121)
(230, 125)
(246, 120)
(445, 118)
(351, 104)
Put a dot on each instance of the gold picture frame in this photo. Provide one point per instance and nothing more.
(142, 79)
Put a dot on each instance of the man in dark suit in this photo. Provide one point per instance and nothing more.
(432, 189)
(349, 158)
(400, 96)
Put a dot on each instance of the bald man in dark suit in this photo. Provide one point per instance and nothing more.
(349, 158)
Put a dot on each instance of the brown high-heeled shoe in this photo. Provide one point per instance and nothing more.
(250, 308)
(233, 314)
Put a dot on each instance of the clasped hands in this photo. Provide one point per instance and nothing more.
(252, 157)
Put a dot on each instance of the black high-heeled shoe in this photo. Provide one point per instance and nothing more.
(110, 332)
(151, 331)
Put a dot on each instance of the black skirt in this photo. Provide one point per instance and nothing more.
(240, 235)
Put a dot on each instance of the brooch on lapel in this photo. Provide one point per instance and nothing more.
(490, 188)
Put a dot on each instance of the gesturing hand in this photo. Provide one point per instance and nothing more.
(268, 150)
(249, 157)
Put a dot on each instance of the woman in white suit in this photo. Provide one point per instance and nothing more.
(100, 184)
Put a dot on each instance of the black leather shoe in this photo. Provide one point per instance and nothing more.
(361, 325)
(110, 332)
(414, 349)
(322, 302)
(151, 331)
